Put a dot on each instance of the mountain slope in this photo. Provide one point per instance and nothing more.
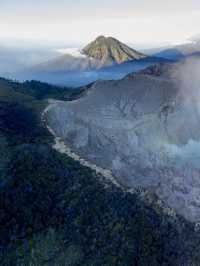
(144, 129)
(98, 54)
(67, 63)
(54, 211)
(110, 51)
(181, 51)
(104, 58)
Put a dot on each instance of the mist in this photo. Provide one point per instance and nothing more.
(81, 78)
(188, 80)
(15, 59)
(17, 55)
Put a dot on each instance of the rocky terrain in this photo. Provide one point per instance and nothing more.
(111, 51)
(143, 129)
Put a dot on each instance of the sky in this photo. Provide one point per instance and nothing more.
(150, 22)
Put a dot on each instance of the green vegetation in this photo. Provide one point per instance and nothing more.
(53, 211)
(36, 90)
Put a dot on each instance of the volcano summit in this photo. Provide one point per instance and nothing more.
(110, 51)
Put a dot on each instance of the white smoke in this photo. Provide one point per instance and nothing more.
(188, 74)
(188, 80)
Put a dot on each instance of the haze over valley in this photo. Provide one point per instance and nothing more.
(103, 58)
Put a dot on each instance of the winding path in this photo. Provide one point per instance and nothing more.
(144, 195)
(61, 147)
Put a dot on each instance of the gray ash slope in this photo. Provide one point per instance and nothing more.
(140, 128)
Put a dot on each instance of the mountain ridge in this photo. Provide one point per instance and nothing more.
(180, 51)
(110, 51)
(100, 53)
(104, 58)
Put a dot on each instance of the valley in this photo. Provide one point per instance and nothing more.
(104, 58)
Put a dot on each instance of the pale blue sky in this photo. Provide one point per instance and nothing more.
(133, 21)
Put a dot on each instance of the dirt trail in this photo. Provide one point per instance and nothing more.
(61, 147)
(143, 194)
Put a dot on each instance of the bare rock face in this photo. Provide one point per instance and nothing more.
(144, 130)
(111, 51)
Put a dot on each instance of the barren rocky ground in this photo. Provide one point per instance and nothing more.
(141, 128)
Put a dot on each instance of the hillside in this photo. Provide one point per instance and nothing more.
(181, 51)
(144, 129)
(111, 51)
(56, 212)
(100, 53)
(104, 58)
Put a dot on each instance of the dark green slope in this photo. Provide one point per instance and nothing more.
(36, 90)
(53, 211)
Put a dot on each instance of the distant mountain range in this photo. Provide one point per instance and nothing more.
(181, 51)
(103, 58)
(100, 53)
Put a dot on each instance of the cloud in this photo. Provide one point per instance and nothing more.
(188, 80)
(129, 20)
